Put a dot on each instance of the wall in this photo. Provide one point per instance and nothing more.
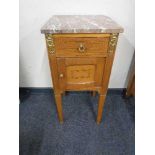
(34, 69)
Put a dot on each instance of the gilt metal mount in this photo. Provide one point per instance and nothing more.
(113, 42)
(50, 43)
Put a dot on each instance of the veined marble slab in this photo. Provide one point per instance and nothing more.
(81, 24)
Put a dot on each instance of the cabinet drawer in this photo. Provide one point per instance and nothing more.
(81, 46)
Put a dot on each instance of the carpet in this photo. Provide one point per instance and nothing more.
(41, 134)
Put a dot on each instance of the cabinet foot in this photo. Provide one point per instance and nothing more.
(100, 108)
(59, 107)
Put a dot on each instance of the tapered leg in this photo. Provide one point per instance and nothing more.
(93, 93)
(59, 107)
(100, 107)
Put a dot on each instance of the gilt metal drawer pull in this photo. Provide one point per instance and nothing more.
(81, 48)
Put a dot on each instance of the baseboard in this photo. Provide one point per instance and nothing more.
(117, 91)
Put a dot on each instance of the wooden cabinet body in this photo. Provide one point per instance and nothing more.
(81, 62)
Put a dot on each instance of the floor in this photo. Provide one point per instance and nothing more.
(41, 133)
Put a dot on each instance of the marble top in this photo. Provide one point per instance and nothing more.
(81, 24)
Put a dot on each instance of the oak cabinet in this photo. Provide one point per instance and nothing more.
(80, 61)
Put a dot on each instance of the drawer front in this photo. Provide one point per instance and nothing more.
(80, 73)
(81, 46)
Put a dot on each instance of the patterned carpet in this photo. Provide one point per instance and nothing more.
(41, 133)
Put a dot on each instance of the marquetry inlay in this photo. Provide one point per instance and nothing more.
(80, 73)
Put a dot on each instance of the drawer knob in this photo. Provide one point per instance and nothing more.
(81, 48)
(61, 75)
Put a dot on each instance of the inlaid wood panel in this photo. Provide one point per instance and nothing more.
(79, 74)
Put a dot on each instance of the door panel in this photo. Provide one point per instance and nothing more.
(80, 73)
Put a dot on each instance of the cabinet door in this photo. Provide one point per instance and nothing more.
(80, 73)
